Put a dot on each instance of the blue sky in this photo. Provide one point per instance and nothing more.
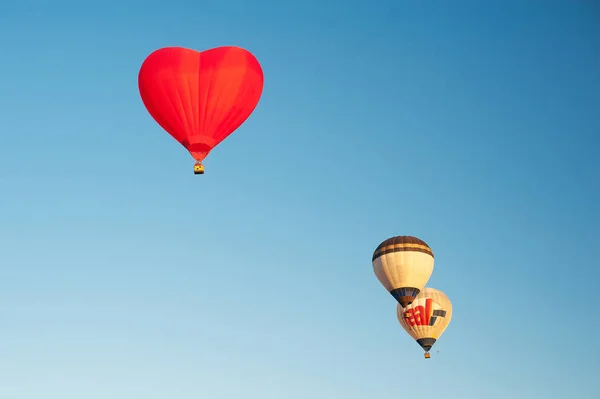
(471, 125)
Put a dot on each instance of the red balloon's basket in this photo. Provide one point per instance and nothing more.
(198, 169)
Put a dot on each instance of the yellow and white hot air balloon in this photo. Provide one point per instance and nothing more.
(426, 318)
(403, 266)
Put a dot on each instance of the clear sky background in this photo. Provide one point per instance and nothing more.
(469, 124)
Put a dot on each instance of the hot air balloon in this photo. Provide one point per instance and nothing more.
(403, 266)
(200, 98)
(426, 318)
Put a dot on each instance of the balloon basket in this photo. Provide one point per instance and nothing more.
(198, 169)
(427, 355)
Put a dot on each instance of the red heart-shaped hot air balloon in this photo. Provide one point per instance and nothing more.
(200, 98)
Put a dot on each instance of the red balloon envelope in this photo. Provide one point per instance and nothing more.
(200, 98)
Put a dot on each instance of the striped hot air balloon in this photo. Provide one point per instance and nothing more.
(403, 266)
